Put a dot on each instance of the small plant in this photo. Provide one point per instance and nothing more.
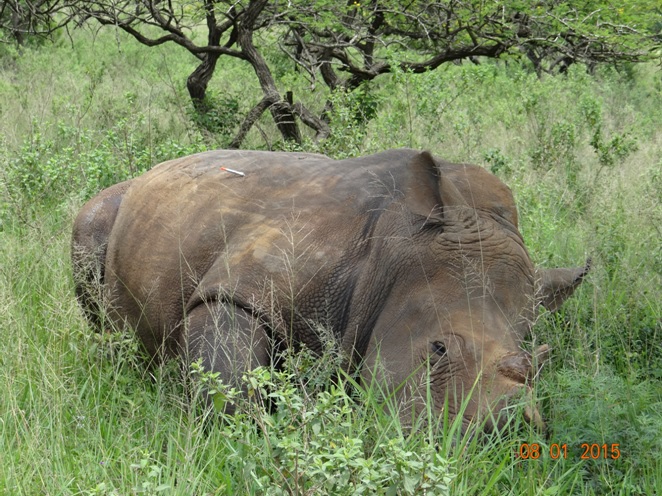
(313, 436)
(349, 115)
(609, 151)
(499, 163)
(216, 114)
(149, 475)
(556, 147)
(594, 413)
(614, 150)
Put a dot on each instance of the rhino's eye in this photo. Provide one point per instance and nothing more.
(439, 348)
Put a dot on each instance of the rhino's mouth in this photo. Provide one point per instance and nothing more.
(519, 399)
(493, 403)
(501, 417)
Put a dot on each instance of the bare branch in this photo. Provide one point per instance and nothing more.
(250, 119)
(312, 121)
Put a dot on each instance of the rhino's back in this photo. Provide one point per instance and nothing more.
(187, 229)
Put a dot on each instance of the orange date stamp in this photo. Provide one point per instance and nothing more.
(555, 451)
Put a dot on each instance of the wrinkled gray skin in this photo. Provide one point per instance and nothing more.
(404, 257)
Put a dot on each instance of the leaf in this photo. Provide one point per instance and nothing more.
(410, 483)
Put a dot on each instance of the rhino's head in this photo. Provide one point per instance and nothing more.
(465, 298)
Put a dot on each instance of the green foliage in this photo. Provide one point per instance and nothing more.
(610, 151)
(24, 23)
(349, 115)
(345, 45)
(614, 150)
(71, 133)
(601, 29)
(498, 162)
(318, 438)
(217, 114)
(606, 410)
(43, 172)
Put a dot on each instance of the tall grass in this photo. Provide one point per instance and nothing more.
(80, 414)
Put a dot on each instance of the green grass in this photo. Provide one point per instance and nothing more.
(80, 414)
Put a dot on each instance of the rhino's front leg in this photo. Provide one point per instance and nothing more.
(228, 339)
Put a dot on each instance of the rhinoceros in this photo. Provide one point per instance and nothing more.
(412, 265)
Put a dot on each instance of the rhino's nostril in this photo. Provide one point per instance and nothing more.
(516, 366)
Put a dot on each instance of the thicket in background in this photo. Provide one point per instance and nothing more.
(342, 45)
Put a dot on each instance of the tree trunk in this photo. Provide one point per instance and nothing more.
(18, 28)
(281, 110)
(285, 121)
(199, 79)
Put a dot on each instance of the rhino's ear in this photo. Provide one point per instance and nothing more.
(556, 285)
(428, 194)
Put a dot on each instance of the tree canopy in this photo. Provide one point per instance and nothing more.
(342, 44)
(21, 19)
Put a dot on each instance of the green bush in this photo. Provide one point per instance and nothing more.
(312, 436)
(605, 410)
(217, 115)
(44, 172)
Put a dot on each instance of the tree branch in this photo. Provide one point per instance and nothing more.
(312, 121)
(250, 119)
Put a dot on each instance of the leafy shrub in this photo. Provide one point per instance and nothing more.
(349, 115)
(498, 162)
(217, 114)
(316, 438)
(606, 409)
(79, 163)
(614, 150)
